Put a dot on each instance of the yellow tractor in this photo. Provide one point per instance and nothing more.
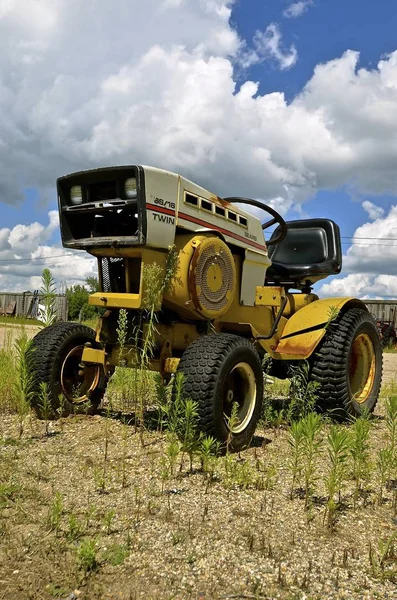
(228, 300)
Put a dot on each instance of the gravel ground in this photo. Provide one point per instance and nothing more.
(88, 512)
(389, 367)
(156, 536)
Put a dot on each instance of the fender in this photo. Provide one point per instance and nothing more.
(306, 328)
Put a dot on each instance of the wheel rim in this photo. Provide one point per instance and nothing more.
(77, 383)
(362, 368)
(240, 388)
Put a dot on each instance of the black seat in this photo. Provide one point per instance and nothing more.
(310, 251)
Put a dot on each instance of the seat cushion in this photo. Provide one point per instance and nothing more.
(310, 251)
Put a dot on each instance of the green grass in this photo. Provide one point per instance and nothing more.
(18, 321)
(91, 323)
(25, 321)
(389, 389)
(279, 387)
(8, 376)
(126, 383)
(390, 349)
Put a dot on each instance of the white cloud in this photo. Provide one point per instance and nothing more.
(355, 284)
(106, 89)
(374, 247)
(24, 255)
(88, 84)
(374, 212)
(296, 9)
(362, 286)
(370, 262)
(269, 44)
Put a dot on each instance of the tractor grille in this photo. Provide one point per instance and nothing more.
(113, 275)
(103, 208)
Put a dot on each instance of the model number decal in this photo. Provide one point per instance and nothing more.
(165, 203)
(164, 218)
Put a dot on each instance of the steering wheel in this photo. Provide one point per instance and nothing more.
(277, 218)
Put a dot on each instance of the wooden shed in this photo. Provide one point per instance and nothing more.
(25, 304)
(383, 310)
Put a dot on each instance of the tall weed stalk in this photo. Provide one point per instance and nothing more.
(338, 443)
(302, 392)
(295, 441)
(359, 450)
(47, 311)
(23, 385)
(311, 447)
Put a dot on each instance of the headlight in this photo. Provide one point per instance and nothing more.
(130, 187)
(76, 194)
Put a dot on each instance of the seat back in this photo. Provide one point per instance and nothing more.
(310, 251)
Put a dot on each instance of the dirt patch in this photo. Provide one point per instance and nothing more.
(88, 512)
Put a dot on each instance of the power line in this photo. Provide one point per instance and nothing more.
(351, 237)
(343, 237)
(370, 245)
(4, 260)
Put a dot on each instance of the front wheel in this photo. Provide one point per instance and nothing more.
(348, 364)
(221, 371)
(56, 354)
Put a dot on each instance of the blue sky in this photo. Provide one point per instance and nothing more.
(196, 88)
(324, 31)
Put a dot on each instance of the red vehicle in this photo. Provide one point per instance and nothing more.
(387, 331)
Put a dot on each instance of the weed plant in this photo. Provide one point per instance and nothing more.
(391, 448)
(47, 311)
(383, 558)
(23, 384)
(295, 441)
(87, 556)
(338, 445)
(208, 451)
(141, 340)
(385, 465)
(55, 513)
(360, 454)
(45, 404)
(232, 421)
(182, 424)
(391, 423)
(116, 554)
(75, 528)
(302, 396)
(311, 448)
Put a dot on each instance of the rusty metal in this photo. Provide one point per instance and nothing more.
(221, 201)
(77, 383)
(300, 346)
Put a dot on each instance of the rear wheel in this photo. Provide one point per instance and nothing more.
(220, 371)
(56, 360)
(348, 364)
